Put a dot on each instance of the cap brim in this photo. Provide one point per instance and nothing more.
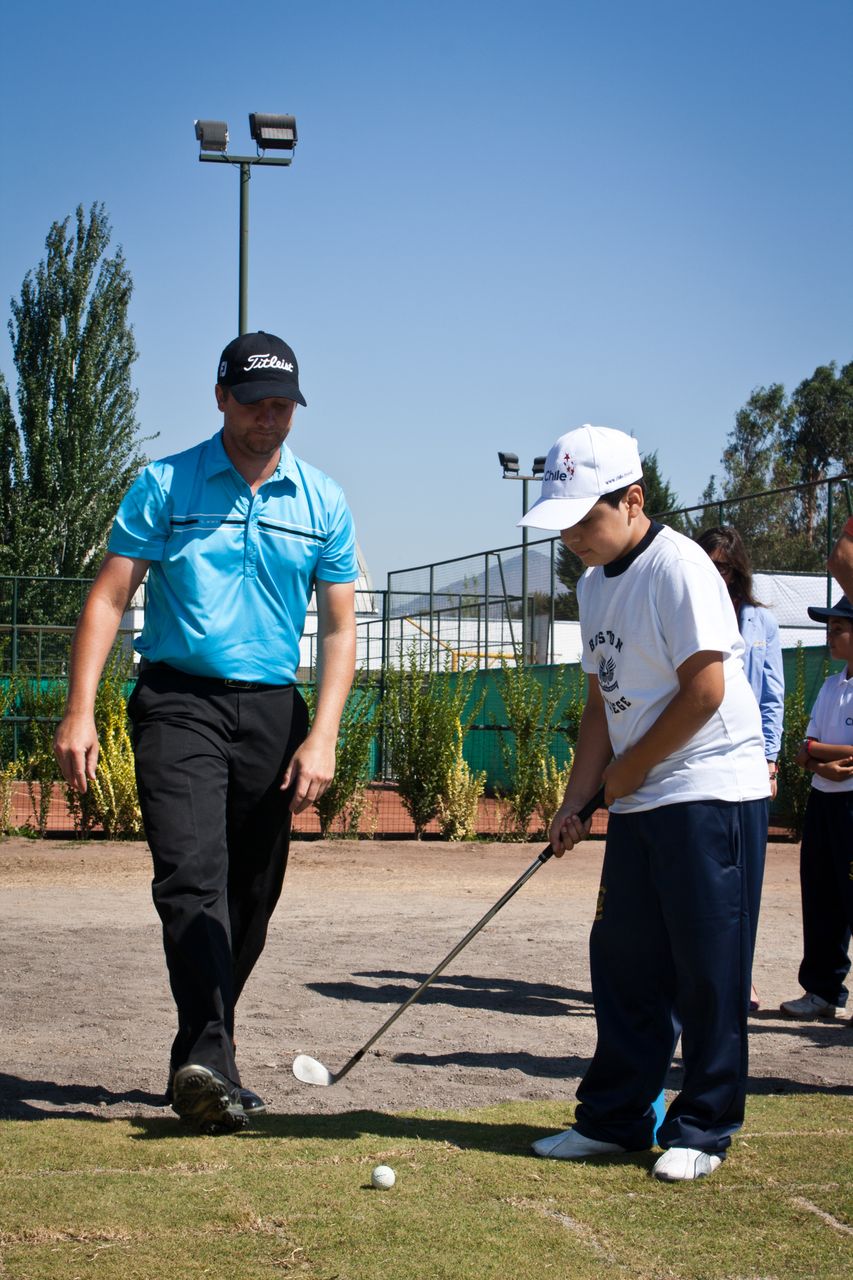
(252, 392)
(557, 513)
(823, 615)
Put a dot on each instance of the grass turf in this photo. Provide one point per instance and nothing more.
(141, 1200)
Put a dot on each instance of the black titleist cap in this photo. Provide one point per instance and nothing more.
(841, 609)
(256, 366)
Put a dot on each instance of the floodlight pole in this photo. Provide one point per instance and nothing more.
(525, 534)
(243, 269)
(245, 165)
(509, 462)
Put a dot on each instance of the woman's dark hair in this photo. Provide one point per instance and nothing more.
(725, 539)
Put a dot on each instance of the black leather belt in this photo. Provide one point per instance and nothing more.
(211, 681)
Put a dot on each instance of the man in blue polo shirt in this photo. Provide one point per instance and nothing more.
(234, 535)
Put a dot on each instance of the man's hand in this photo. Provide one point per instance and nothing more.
(76, 748)
(310, 771)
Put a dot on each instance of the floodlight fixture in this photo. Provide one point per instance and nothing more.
(276, 133)
(539, 466)
(212, 135)
(268, 132)
(509, 462)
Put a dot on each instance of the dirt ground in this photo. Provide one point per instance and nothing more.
(86, 1016)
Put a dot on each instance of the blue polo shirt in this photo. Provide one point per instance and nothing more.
(232, 572)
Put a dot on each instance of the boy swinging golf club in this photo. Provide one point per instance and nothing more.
(672, 729)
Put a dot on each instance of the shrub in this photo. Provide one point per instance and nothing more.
(8, 767)
(532, 719)
(552, 788)
(111, 800)
(344, 799)
(422, 714)
(794, 780)
(40, 701)
(459, 803)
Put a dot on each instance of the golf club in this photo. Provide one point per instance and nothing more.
(310, 1071)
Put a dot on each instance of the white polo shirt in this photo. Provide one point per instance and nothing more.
(832, 721)
(641, 618)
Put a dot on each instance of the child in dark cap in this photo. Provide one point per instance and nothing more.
(826, 853)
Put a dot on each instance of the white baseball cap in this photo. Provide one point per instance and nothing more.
(583, 465)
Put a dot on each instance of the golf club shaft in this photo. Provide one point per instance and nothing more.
(584, 814)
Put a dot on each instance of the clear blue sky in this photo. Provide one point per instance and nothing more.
(502, 221)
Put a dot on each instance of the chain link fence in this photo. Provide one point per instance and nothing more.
(501, 606)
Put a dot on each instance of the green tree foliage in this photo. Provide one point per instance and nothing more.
(661, 499)
(72, 451)
(780, 440)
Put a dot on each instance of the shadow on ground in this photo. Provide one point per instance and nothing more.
(20, 1099)
(463, 991)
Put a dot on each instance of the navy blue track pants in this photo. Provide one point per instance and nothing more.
(672, 932)
(826, 885)
(209, 764)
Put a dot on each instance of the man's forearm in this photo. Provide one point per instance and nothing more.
(840, 562)
(335, 671)
(93, 639)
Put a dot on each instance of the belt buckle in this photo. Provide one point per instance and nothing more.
(239, 684)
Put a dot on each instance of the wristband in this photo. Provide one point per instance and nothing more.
(809, 742)
(848, 528)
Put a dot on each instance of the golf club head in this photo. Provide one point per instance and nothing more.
(310, 1071)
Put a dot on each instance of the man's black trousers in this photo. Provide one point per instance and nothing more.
(209, 763)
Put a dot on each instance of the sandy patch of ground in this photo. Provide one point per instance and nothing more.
(86, 1015)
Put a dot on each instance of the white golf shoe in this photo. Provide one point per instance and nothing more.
(684, 1164)
(807, 1007)
(571, 1145)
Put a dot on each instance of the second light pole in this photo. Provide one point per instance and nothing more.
(509, 463)
(268, 133)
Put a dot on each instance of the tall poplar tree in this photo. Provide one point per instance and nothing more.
(72, 449)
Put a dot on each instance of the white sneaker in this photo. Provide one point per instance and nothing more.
(683, 1164)
(571, 1145)
(808, 1006)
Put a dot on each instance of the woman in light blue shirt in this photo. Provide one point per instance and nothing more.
(762, 661)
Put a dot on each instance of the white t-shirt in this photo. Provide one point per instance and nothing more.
(641, 618)
(832, 721)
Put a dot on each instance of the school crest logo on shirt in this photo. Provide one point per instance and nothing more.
(607, 675)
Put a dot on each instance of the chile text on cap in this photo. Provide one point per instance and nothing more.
(257, 366)
(581, 467)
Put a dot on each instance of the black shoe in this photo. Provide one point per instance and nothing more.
(252, 1104)
(207, 1101)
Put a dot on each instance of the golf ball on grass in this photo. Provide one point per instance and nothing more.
(383, 1177)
